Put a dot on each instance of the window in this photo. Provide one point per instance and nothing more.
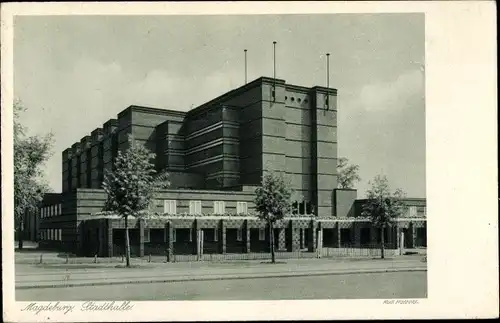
(50, 211)
(194, 207)
(301, 207)
(43, 212)
(239, 235)
(170, 207)
(60, 209)
(174, 235)
(147, 237)
(60, 234)
(219, 207)
(241, 208)
(425, 210)
(262, 234)
(308, 208)
(413, 211)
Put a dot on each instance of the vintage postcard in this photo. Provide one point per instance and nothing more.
(249, 161)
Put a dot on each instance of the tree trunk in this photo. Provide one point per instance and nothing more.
(382, 242)
(127, 243)
(271, 234)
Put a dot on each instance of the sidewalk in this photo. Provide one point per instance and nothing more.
(51, 276)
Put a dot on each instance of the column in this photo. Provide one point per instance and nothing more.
(413, 235)
(295, 232)
(169, 239)
(223, 234)
(312, 236)
(402, 243)
(199, 241)
(281, 239)
(109, 230)
(141, 238)
(103, 237)
(302, 238)
(320, 242)
(339, 240)
(373, 235)
(357, 233)
(247, 236)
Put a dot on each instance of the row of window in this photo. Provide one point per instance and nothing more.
(51, 234)
(51, 210)
(412, 211)
(239, 235)
(170, 207)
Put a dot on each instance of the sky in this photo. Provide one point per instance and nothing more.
(73, 73)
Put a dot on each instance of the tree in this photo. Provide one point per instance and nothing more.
(272, 202)
(130, 187)
(30, 153)
(348, 174)
(382, 206)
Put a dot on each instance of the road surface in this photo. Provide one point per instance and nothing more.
(345, 286)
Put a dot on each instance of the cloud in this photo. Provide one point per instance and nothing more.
(382, 129)
(392, 95)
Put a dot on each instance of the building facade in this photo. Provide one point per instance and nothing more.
(215, 156)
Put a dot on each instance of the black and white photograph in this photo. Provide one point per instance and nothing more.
(219, 157)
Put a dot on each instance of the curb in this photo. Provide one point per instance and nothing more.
(227, 277)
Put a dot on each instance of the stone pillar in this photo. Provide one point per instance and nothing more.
(247, 236)
(402, 243)
(356, 227)
(339, 240)
(141, 238)
(169, 241)
(320, 242)
(412, 232)
(199, 243)
(397, 233)
(296, 234)
(223, 234)
(312, 236)
(109, 230)
(281, 239)
(373, 235)
(103, 237)
(302, 238)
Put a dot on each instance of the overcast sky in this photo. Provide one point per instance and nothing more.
(74, 73)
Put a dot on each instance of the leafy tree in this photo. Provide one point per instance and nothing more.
(30, 153)
(382, 206)
(130, 187)
(348, 173)
(272, 202)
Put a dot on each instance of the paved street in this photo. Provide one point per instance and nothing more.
(345, 286)
(294, 279)
(33, 276)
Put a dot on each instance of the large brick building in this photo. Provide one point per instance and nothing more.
(215, 155)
